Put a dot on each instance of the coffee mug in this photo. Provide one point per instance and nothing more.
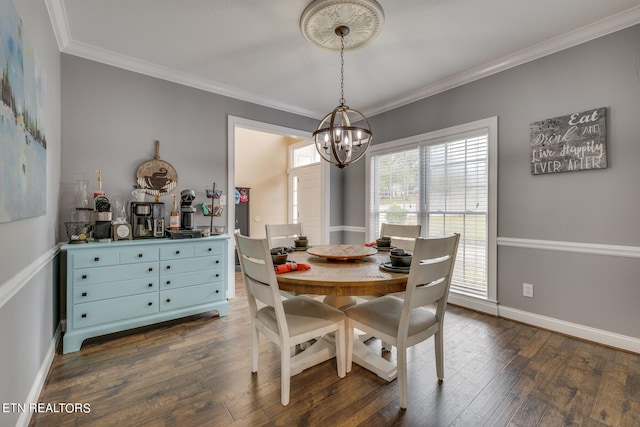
(139, 195)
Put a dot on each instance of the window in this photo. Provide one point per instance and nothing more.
(304, 154)
(444, 181)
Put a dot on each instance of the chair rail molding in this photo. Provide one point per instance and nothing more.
(14, 284)
(577, 247)
(348, 228)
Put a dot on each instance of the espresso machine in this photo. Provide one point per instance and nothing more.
(147, 220)
(187, 211)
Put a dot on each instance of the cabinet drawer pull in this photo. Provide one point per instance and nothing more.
(84, 276)
(84, 294)
(168, 267)
(139, 255)
(150, 268)
(96, 259)
(168, 282)
(217, 274)
(217, 291)
(168, 299)
(217, 261)
(151, 285)
(150, 304)
(83, 315)
(177, 252)
(210, 249)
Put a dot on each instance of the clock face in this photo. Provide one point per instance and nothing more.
(122, 231)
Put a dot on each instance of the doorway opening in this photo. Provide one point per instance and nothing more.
(260, 158)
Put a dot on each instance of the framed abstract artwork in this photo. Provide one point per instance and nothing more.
(23, 143)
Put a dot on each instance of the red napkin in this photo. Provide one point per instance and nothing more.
(369, 244)
(291, 266)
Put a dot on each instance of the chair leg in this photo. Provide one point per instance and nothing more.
(439, 347)
(255, 348)
(285, 376)
(349, 346)
(402, 377)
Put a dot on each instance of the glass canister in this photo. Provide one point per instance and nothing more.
(83, 201)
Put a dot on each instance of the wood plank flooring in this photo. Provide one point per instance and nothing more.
(197, 372)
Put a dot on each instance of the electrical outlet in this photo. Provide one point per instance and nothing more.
(527, 290)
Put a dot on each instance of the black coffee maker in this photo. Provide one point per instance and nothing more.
(187, 211)
(147, 220)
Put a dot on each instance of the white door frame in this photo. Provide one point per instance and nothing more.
(234, 123)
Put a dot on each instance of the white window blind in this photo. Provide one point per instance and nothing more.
(395, 189)
(442, 184)
(456, 188)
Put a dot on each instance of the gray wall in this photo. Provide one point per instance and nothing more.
(111, 118)
(28, 300)
(597, 207)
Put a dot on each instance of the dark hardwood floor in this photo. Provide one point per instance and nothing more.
(197, 372)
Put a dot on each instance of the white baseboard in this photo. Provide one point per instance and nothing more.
(477, 304)
(41, 377)
(588, 333)
(573, 329)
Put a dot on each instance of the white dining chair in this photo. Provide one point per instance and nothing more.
(405, 322)
(282, 234)
(402, 236)
(288, 322)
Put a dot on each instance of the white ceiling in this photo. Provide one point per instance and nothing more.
(254, 50)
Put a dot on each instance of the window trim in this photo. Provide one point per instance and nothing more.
(491, 124)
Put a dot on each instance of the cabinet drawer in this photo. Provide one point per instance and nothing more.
(140, 254)
(82, 294)
(98, 312)
(96, 258)
(176, 251)
(170, 281)
(208, 249)
(90, 276)
(192, 295)
(189, 265)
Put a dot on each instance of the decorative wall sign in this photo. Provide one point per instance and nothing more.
(23, 145)
(156, 176)
(569, 143)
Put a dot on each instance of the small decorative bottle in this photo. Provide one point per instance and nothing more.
(174, 219)
(98, 191)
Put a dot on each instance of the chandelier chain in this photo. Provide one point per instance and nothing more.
(342, 100)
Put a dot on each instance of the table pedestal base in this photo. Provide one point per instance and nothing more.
(324, 349)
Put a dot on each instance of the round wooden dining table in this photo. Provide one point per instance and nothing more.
(340, 281)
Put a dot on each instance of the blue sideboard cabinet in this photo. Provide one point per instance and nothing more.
(126, 284)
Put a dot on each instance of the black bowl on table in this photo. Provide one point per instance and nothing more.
(301, 242)
(383, 242)
(279, 255)
(403, 260)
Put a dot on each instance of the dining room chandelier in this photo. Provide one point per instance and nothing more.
(343, 135)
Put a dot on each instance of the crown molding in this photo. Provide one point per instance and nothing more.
(587, 33)
(108, 57)
(58, 17)
(66, 44)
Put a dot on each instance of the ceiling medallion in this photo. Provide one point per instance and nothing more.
(320, 19)
(344, 135)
